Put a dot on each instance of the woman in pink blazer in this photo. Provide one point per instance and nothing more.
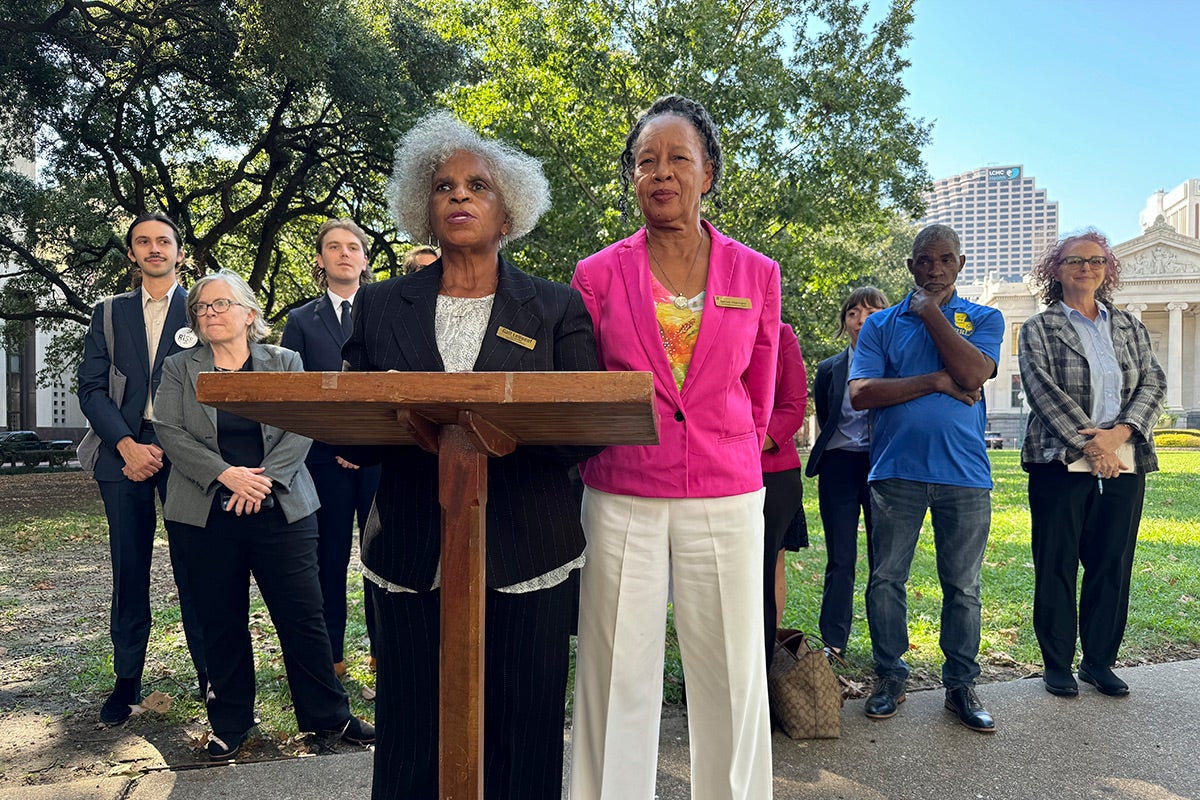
(701, 312)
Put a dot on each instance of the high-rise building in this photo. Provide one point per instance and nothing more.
(1002, 218)
(1180, 207)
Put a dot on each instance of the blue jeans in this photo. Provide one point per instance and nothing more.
(961, 519)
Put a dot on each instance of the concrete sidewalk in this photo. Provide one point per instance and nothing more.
(1142, 747)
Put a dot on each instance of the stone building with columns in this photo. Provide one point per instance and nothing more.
(1160, 284)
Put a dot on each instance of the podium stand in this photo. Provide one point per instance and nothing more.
(464, 418)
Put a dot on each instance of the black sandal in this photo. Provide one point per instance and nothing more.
(222, 747)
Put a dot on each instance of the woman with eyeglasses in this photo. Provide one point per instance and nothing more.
(1095, 390)
(242, 503)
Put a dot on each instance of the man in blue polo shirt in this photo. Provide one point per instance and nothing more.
(920, 366)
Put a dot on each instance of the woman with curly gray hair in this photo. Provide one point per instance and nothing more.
(471, 311)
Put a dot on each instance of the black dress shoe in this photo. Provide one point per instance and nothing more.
(1060, 682)
(224, 746)
(888, 695)
(963, 702)
(354, 731)
(118, 707)
(1103, 679)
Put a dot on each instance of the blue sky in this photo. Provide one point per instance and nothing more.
(1099, 100)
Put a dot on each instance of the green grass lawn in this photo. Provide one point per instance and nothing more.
(1164, 618)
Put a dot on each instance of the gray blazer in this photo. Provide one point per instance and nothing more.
(188, 434)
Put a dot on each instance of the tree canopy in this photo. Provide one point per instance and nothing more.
(250, 121)
(823, 162)
(247, 122)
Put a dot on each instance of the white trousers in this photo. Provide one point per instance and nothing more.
(711, 550)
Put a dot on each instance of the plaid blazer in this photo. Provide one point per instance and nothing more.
(1058, 387)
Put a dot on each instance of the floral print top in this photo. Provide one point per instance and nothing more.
(677, 327)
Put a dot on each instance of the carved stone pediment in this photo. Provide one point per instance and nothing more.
(1157, 261)
(1160, 251)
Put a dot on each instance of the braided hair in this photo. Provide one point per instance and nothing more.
(710, 139)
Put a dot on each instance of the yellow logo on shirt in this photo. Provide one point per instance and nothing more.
(963, 323)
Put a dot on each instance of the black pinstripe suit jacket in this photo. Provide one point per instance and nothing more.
(532, 512)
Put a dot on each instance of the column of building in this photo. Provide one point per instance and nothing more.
(1174, 365)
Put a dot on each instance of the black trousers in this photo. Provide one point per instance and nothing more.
(525, 683)
(283, 560)
(784, 497)
(1075, 523)
(842, 492)
(132, 511)
(346, 496)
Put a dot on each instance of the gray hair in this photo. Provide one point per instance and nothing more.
(932, 234)
(522, 186)
(243, 295)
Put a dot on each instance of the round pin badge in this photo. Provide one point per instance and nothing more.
(185, 338)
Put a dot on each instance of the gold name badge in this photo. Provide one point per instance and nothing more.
(732, 302)
(516, 338)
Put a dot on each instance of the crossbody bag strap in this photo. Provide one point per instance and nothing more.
(108, 341)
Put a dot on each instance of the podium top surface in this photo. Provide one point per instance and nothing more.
(356, 408)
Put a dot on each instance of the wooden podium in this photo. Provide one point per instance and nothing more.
(464, 418)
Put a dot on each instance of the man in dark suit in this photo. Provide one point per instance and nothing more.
(149, 324)
(317, 331)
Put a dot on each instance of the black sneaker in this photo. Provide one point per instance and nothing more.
(963, 701)
(888, 695)
(119, 705)
(354, 731)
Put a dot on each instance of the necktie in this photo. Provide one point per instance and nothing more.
(345, 320)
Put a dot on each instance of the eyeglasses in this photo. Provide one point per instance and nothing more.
(1077, 261)
(220, 306)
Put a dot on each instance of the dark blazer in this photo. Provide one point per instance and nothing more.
(828, 391)
(313, 331)
(132, 359)
(188, 433)
(532, 513)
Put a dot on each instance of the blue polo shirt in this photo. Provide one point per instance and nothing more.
(935, 438)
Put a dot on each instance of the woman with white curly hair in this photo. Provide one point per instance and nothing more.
(471, 310)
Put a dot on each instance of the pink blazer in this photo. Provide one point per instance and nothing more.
(791, 401)
(711, 432)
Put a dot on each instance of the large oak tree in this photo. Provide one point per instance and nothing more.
(249, 122)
